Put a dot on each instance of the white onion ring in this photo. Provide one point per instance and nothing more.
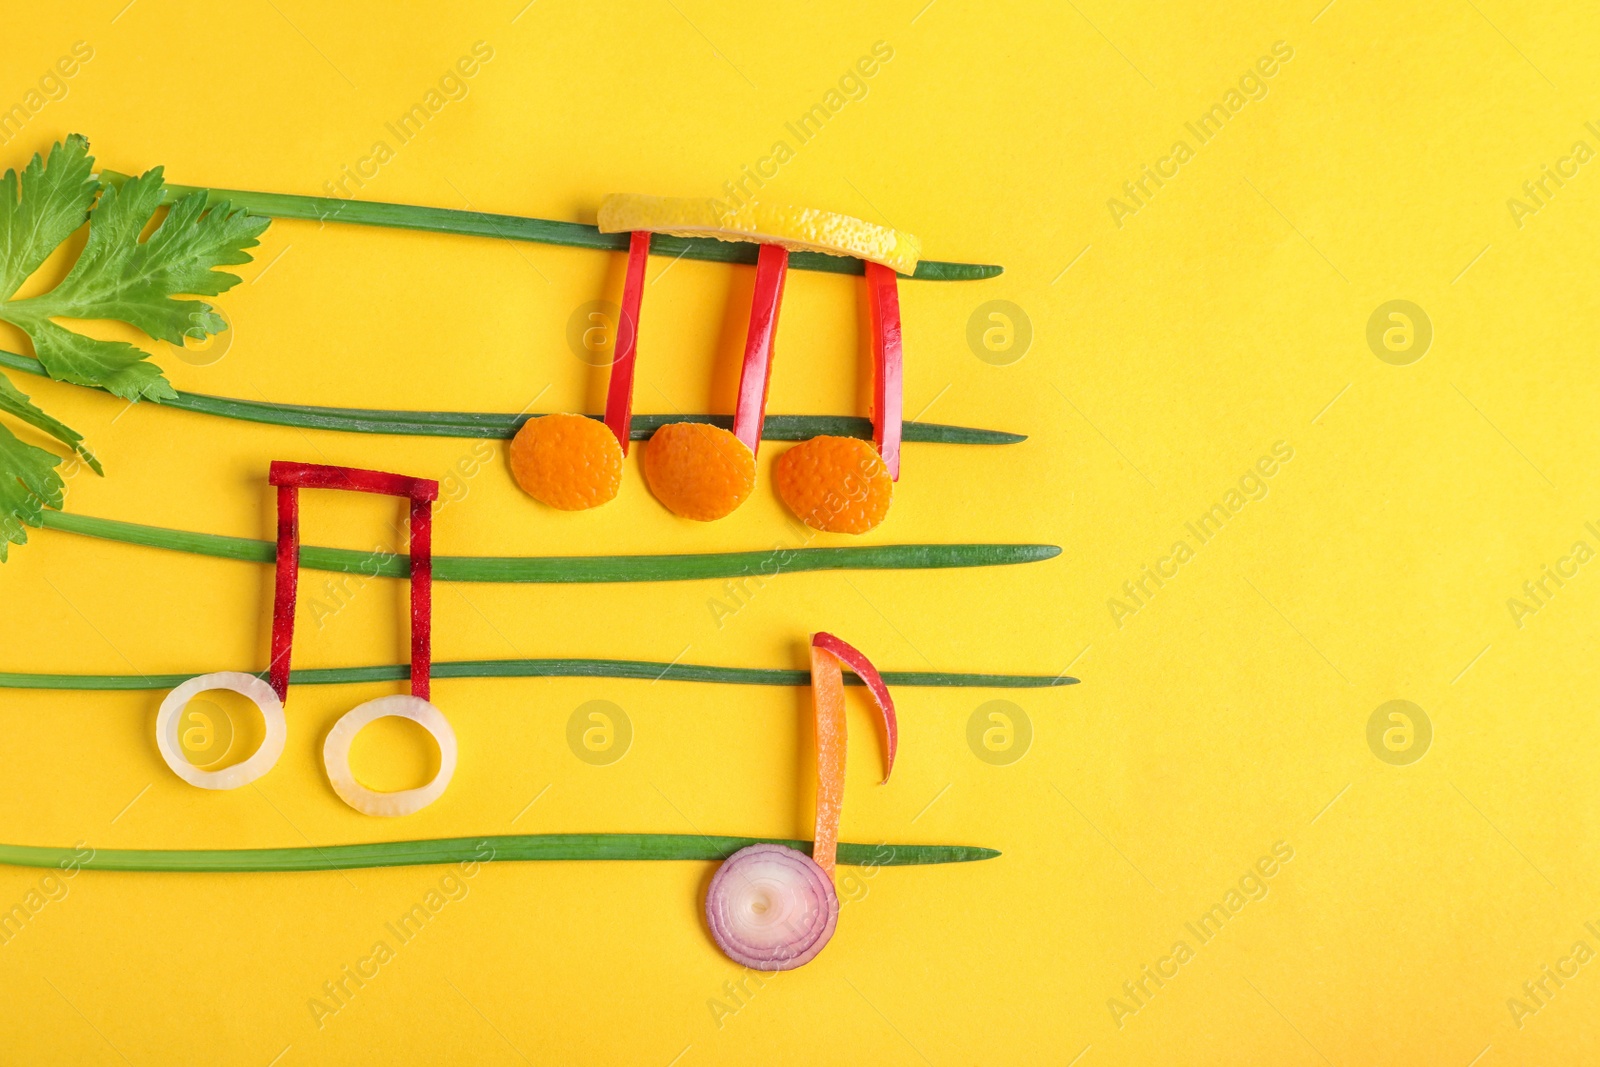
(771, 908)
(246, 685)
(336, 756)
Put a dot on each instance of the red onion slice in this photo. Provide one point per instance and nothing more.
(771, 908)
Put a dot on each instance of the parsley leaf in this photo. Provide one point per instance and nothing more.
(28, 483)
(14, 402)
(117, 276)
(55, 199)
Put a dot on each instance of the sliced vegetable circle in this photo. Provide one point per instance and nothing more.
(799, 229)
(771, 908)
(260, 762)
(835, 484)
(698, 471)
(570, 462)
(336, 756)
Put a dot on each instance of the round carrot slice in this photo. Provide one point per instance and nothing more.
(570, 462)
(698, 471)
(836, 484)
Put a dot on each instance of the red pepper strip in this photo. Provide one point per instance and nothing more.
(772, 266)
(287, 578)
(321, 476)
(619, 394)
(421, 597)
(827, 694)
(852, 657)
(290, 478)
(883, 298)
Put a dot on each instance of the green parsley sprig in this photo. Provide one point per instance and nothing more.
(117, 276)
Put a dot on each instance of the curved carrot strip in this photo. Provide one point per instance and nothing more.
(827, 693)
(619, 392)
(853, 658)
(888, 386)
(828, 653)
(772, 266)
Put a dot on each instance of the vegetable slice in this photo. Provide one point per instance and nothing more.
(286, 584)
(853, 658)
(835, 484)
(699, 472)
(336, 756)
(619, 392)
(755, 378)
(883, 299)
(568, 462)
(798, 229)
(771, 908)
(262, 760)
(827, 695)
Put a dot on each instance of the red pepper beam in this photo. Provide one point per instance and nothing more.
(619, 394)
(290, 478)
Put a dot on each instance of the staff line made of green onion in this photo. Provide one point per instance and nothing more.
(505, 848)
(766, 563)
(504, 425)
(540, 231)
(641, 670)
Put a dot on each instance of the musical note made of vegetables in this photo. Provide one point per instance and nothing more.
(832, 483)
(772, 904)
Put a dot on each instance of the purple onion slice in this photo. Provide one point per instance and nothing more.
(771, 908)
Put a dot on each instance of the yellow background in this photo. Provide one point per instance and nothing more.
(1229, 713)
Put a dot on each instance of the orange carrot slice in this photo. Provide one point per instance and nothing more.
(698, 471)
(835, 484)
(570, 462)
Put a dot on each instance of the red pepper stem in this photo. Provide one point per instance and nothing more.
(888, 364)
(421, 598)
(287, 579)
(619, 393)
(290, 478)
(772, 267)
